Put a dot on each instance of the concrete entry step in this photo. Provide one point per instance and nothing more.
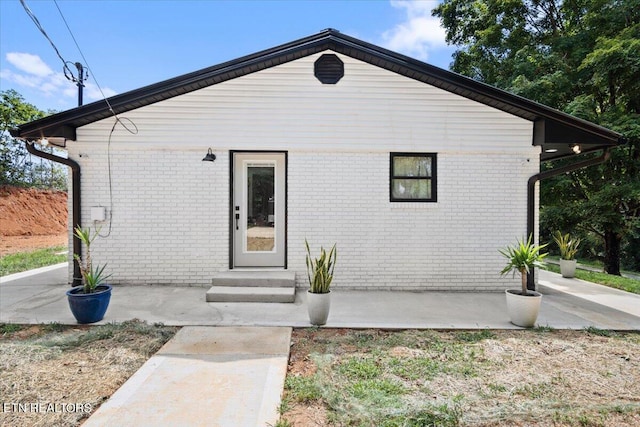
(255, 278)
(251, 294)
(253, 286)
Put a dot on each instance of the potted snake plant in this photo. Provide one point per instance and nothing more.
(320, 275)
(523, 305)
(89, 302)
(568, 249)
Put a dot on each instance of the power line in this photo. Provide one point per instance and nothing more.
(82, 75)
(44, 33)
(67, 72)
(131, 128)
(83, 58)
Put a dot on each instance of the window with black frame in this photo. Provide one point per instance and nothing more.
(413, 177)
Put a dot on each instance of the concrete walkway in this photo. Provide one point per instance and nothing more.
(555, 284)
(204, 376)
(580, 266)
(233, 375)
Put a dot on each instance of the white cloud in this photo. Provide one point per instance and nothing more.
(21, 79)
(419, 33)
(32, 72)
(93, 92)
(29, 63)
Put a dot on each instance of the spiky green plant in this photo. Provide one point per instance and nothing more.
(522, 258)
(320, 270)
(568, 246)
(92, 277)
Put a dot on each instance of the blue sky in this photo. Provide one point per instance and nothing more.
(130, 44)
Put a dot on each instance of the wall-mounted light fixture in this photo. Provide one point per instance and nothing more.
(576, 148)
(210, 157)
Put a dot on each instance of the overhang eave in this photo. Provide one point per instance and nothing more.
(56, 130)
(560, 140)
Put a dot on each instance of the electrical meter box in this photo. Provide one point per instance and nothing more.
(98, 213)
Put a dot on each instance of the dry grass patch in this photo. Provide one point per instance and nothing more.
(463, 378)
(69, 371)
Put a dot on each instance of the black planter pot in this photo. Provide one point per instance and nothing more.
(89, 308)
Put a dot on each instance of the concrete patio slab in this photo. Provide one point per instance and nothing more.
(567, 304)
(223, 376)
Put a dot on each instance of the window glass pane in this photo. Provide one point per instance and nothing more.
(260, 208)
(411, 188)
(411, 166)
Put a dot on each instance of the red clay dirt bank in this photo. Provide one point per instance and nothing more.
(31, 219)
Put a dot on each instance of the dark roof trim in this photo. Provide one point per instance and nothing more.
(554, 129)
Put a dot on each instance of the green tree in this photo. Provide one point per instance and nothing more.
(16, 165)
(580, 56)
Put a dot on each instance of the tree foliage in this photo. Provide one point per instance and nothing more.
(582, 57)
(17, 167)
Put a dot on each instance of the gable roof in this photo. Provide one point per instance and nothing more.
(555, 131)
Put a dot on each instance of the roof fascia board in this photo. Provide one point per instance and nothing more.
(59, 130)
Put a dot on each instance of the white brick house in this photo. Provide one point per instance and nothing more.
(326, 138)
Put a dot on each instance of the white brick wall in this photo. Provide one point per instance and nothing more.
(170, 210)
(171, 226)
(449, 245)
(169, 214)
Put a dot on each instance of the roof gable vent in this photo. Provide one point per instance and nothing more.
(329, 69)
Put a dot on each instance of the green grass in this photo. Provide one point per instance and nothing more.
(9, 328)
(23, 261)
(599, 332)
(303, 389)
(454, 378)
(384, 381)
(116, 332)
(474, 336)
(618, 282)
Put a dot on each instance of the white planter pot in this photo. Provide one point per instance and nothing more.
(318, 306)
(523, 310)
(568, 267)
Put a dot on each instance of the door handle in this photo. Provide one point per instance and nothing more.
(237, 217)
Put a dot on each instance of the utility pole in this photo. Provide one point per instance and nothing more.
(79, 81)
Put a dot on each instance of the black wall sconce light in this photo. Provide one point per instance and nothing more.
(210, 157)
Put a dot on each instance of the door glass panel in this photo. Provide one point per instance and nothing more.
(260, 208)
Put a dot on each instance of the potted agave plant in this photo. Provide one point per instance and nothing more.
(320, 275)
(523, 305)
(89, 302)
(568, 249)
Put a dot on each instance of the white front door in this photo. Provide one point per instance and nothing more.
(259, 209)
